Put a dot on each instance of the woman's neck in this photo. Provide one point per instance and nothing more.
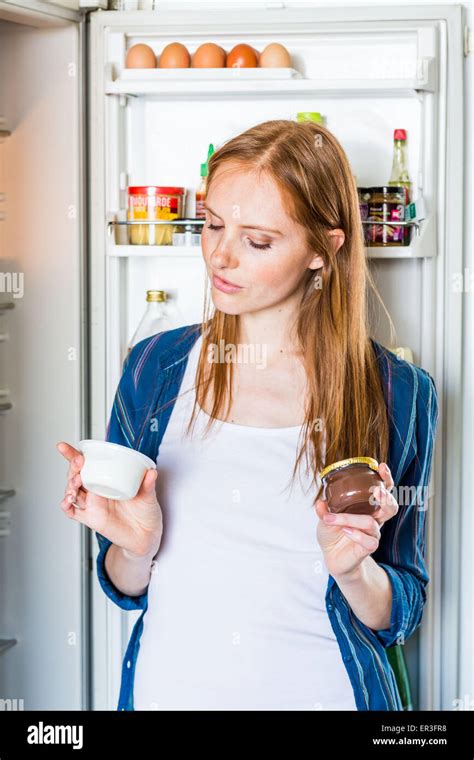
(274, 329)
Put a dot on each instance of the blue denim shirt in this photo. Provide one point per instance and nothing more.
(151, 378)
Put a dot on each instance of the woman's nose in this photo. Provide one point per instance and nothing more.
(223, 256)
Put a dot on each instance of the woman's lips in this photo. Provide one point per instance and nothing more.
(223, 285)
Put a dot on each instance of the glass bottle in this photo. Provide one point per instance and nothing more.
(400, 175)
(157, 317)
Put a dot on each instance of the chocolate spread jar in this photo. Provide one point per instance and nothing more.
(349, 485)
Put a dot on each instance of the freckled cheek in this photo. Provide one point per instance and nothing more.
(272, 276)
(206, 247)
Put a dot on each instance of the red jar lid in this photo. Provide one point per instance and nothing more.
(155, 190)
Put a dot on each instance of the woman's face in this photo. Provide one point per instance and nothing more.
(249, 240)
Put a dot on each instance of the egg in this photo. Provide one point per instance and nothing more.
(209, 56)
(175, 56)
(140, 57)
(242, 56)
(276, 56)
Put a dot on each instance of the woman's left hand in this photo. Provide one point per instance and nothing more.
(346, 539)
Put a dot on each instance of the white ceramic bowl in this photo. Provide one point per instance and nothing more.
(112, 470)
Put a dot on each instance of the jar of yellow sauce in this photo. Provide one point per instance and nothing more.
(153, 202)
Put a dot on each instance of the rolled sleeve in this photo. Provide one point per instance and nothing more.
(402, 547)
(121, 429)
(124, 601)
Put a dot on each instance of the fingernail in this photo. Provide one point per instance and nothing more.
(349, 531)
(330, 518)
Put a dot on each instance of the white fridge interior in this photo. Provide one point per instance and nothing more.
(367, 74)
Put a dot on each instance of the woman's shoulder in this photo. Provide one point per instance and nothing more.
(412, 402)
(403, 379)
(160, 350)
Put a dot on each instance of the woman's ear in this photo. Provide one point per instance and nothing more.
(316, 262)
(338, 238)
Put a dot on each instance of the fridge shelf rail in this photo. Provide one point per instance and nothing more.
(158, 251)
(187, 82)
(7, 644)
(174, 222)
(6, 493)
(423, 244)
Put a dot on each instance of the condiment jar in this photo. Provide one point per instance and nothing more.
(152, 202)
(349, 485)
(364, 196)
(386, 204)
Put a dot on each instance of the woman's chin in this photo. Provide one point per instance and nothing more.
(224, 303)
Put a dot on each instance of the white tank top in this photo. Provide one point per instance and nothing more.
(236, 616)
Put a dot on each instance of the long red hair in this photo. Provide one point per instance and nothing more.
(345, 396)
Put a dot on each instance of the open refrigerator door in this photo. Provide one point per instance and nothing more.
(43, 560)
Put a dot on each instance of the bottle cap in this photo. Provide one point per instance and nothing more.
(400, 134)
(204, 167)
(309, 116)
(156, 296)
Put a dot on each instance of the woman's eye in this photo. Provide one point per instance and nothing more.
(260, 246)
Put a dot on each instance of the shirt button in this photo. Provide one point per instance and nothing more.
(330, 607)
(129, 664)
(347, 657)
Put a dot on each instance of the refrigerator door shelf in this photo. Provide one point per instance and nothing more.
(423, 244)
(190, 81)
(155, 251)
(252, 74)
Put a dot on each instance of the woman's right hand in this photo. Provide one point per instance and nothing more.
(135, 525)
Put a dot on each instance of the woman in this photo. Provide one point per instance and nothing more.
(253, 595)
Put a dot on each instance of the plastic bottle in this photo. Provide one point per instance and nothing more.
(309, 116)
(202, 189)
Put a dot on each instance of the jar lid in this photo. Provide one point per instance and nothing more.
(154, 189)
(372, 463)
(387, 189)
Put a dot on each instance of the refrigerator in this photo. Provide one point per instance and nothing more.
(77, 129)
